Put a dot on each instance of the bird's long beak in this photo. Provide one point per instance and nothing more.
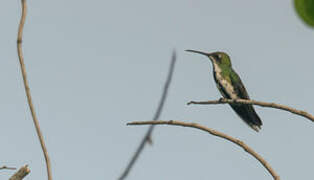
(199, 52)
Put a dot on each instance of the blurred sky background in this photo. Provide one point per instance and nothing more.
(95, 65)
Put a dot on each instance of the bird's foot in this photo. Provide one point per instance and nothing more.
(221, 99)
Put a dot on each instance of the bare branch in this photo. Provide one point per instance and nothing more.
(259, 103)
(21, 173)
(27, 89)
(6, 167)
(147, 138)
(215, 133)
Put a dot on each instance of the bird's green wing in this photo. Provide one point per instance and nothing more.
(245, 111)
(238, 86)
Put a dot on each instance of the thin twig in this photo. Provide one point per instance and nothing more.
(215, 133)
(6, 167)
(147, 138)
(259, 103)
(27, 89)
(21, 173)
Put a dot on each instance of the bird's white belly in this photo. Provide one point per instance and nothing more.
(224, 83)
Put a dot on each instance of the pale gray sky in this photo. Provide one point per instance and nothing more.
(95, 65)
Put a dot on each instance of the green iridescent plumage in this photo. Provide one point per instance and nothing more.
(230, 86)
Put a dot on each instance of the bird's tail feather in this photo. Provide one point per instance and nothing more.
(248, 115)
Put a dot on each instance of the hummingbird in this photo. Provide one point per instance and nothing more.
(230, 86)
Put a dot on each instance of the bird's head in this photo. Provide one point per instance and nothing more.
(218, 58)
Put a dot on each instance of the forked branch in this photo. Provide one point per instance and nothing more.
(215, 133)
(258, 103)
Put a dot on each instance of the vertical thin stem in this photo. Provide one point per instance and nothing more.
(27, 89)
(147, 137)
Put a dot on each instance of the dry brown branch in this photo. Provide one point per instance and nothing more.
(21, 173)
(259, 103)
(147, 137)
(6, 167)
(215, 133)
(27, 89)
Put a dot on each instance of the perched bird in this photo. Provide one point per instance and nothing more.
(231, 87)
